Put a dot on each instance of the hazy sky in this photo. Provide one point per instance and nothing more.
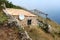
(51, 7)
(38, 4)
(46, 6)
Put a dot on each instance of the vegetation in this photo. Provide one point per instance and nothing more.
(55, 28)
(10, 5)
(37, 33)
(3, 18)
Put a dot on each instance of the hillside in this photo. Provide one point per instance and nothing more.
(11, 32)
(7, 32)
(37, 33)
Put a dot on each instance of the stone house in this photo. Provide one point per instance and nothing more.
(27, 17)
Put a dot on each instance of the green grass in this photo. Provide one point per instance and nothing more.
(3, 17)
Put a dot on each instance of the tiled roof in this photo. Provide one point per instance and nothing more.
(13, 11)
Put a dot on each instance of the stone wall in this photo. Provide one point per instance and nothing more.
(24, 22)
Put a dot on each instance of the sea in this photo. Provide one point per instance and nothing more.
(55, 16)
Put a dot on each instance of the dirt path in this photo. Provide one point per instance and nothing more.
(8, 33)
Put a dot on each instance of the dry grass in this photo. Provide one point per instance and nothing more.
(55, 27)
(38, 34)
(52, 23)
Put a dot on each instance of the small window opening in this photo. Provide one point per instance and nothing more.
(29, 22)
